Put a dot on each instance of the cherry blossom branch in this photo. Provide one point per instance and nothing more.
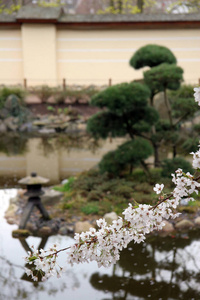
(104, 245)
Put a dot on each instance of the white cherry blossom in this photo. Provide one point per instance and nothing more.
(158, 188)
(197, 95)
(104, 245)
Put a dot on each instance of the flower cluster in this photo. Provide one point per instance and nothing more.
(104, 245)
(42, 263)
(197, 95)
(196, 160)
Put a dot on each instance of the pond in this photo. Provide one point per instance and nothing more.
(55, 157)
(161, 268)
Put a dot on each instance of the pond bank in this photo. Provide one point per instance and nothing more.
(61, 223)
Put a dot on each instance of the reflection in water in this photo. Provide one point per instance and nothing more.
(13, 143)
(161, 268)
(54, 156)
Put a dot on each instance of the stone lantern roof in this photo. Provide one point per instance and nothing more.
(33, 179)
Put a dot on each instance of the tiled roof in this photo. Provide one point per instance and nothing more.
(38, 13)
(57, 14)
(129, 18)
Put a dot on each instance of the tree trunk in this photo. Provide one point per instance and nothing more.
(168, 107)
(174, 151)
(145, 168)
(156, 155)
(140, 4)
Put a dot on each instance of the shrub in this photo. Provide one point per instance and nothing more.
(131, 153)
(5, 92)
(90, 208)
(169, 166)
(44, 92)
(94, 196)
(65, 187)
(110, 164)
(191, 145)
(151, 56)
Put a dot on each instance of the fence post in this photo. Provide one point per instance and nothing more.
(109, 82)
(25, 83)
(64, 84)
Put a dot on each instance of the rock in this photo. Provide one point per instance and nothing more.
(168, 227)
(11, 220)
(11, 211)
(31, 98)
(109, 217)
(82, 226)
(46, 130)
(20, 233)
(31, 227)
(10, 124)
(26, 127)
(51, 196)
(184, 224)
(197, 221)
(3, 127)
(45, 231)
(63, 230)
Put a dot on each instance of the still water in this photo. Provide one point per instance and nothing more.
(53, 157)
(162, 268)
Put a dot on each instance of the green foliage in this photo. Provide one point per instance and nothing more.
(134, 151)
(14, 143)
(125, 6)
(184, 107)
(58, 111)
(122, 98)
(90, 208)
(66, 187)
(110, 164)
(196, 128)
(169, 166)
(5, 92)
(55, 3)
(190, 144)
(105, 124)
(185, 91)
(162, 77)
(94, 195)
(139, 176)
(164, 132)
(125, 111)
(44, 92)
(130, 154)
(152, 55)
(182, 101)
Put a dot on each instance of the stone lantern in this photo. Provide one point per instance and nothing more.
(34, 191)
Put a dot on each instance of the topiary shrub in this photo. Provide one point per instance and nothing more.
(131, 154)
(169, 166)
(110, 164)
(151, 56)
(164, 76)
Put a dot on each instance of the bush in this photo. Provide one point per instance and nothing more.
(110, 164)
(5, 92)
(169, 166)
(151, 56)
(90, 208)
(94, 196)
(129, 154)
(191, 145)
(44, 92)
(65, 187)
